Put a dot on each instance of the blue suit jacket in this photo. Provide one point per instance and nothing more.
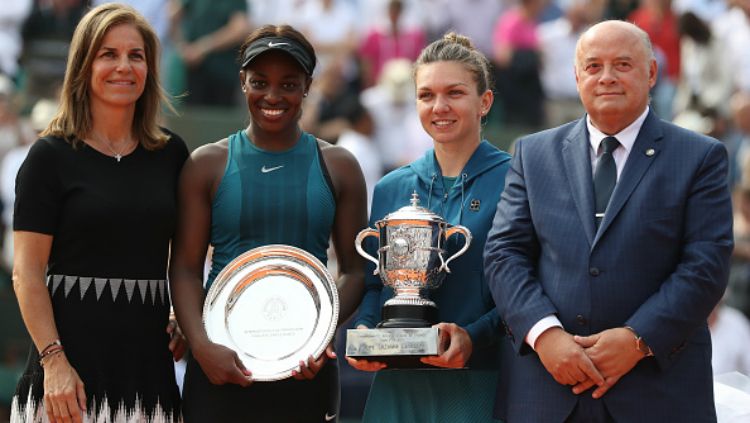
(658, 263)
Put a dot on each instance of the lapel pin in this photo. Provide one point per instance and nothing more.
(474, 205)
(650, 152)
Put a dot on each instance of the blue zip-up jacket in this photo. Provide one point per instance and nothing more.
(463, 298)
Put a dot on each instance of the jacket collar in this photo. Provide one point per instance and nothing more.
(484, 158)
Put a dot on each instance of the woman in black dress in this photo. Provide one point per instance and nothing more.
(93, 219)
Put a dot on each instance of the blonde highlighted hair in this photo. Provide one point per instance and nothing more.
(73, 120)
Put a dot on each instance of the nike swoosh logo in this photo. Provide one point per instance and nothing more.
(272, 44)
(265, 169)
(330, 417)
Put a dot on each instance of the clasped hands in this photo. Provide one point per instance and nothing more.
(585, 361)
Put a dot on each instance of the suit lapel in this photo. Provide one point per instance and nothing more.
(577, 162)
(644, 151)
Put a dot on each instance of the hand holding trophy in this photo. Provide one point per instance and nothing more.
(411, 260)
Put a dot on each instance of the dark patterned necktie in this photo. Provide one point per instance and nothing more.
(605, 177)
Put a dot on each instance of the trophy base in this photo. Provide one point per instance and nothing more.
(401, 361)
(408, 316)
(396, 347)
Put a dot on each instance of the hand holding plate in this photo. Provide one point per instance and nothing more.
(308, 370)
(177, 342)
(221, 365)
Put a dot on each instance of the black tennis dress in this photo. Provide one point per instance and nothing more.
(111, 223)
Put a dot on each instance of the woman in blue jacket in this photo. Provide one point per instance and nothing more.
(460, 179)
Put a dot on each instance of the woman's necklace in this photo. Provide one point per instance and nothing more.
(117, 154)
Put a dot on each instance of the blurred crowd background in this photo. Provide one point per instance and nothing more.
(363, 96)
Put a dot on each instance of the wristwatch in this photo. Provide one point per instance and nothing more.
(640, 344)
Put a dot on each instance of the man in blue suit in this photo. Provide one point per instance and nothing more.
(608, 251)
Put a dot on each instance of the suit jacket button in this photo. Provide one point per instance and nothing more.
(594, 271)
(581, 320)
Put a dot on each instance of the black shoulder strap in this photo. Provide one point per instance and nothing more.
(324, 167)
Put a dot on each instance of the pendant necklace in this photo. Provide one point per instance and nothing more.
(117, 154)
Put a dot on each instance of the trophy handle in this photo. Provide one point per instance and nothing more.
(364, 233)
(448, 233)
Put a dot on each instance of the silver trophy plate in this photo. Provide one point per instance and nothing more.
(275, 306)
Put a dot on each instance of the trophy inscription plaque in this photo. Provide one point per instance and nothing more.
(411, 260)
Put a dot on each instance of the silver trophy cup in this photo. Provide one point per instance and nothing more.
(411, 260)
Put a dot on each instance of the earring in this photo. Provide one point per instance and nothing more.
(304, 95)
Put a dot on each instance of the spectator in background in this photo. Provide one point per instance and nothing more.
(660, 23)
(427, 15)
(46, 39)
(208, 37)
(330, 25)
(328, 103)
(620, 9)
(557, 42)
(517, 61)
(706, 10)
(733, 30)
(392, 40)
(738, 141)
(264, 12)
(474, 19)
(358, 139)
(12, 15)
(738, 289)
(399, 136)
(730, 340)
(14, 131)
(705, 82)
(41, 115)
